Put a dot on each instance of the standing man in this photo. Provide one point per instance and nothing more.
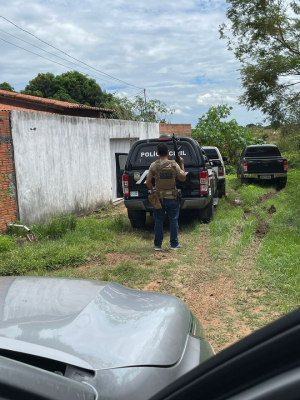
(165, 173)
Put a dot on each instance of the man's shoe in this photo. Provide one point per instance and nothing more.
(156, 248)
(176, 247)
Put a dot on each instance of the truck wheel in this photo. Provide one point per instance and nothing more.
(137, 218)
(282, 182)
(222, 191)
(208, 213)
(244, 180)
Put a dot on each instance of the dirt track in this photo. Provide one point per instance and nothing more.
(215, 289)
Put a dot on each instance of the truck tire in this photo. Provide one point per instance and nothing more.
(282, 182)
(222, 191)
(137, 218)
(208, 213)
(244, 180)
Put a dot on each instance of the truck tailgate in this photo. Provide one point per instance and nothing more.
(260, 165)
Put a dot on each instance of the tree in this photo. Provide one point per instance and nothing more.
(71, 86)
(75, 87)
(6, 86)
(229, 137)
(151, 111)
(265, 37)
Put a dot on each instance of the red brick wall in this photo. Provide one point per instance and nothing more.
(178, 129)
(8, 206)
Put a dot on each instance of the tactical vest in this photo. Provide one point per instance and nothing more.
(165, 178)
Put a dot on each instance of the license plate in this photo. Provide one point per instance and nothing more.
(134, 194)
(266, 177)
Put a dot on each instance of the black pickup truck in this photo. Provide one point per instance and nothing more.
(262, 162)
(198, 191)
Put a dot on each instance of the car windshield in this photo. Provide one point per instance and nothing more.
(147, 153)
(211, 154)
(262, 151)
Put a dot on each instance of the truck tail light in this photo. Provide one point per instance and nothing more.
(245, 167)
(125, 184)
(203, 182)
(285, 166)
(220, 171)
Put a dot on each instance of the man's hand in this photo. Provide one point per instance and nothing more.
(181, 161)
(149, 183)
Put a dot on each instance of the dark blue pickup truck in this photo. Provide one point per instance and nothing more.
(198, 191)
(263, 162)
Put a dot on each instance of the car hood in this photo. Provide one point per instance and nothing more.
(91, 324)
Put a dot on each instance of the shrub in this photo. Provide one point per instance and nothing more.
(56, 227)
(5, 242)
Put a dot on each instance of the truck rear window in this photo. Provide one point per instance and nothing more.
(262, 151)
(147, 153)
(211, 154)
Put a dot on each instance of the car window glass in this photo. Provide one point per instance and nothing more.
(262, 151)
(147, 153)
(211, 154)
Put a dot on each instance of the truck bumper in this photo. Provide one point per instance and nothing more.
(266, 176)
(185, 204)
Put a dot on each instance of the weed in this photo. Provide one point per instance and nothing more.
(5, 243)
(56, 227)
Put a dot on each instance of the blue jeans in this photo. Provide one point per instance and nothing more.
(171, 206)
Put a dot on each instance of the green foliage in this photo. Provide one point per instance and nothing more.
(264, 36)
(153, 111)
(74, 87)
(279, 262)
(5, 242)
(65, 240)
(6, 86)
(71, 86)
(56, 227)
(290, 149)
(229, 137)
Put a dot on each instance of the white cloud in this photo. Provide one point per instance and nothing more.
(215, 97)
(172, 48)
(177, 111)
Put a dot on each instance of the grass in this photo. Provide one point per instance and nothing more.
(261, 248)
(257, 251)
(64, 241)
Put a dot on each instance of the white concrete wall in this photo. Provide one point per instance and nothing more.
(63, 164)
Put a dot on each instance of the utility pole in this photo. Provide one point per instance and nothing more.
(146, 110)
(145, 106)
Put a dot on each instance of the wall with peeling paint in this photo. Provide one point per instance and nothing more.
(64, 164)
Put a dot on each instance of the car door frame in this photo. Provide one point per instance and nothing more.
(269, 352)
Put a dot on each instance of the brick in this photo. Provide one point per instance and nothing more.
(6, 161)
(4, 186)
(5, 130)
(6, 168)
(4, 123)
(4, 114)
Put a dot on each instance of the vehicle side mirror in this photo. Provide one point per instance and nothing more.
(237, 155)
(224, 158)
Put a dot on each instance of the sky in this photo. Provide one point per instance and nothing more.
(171, 48)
